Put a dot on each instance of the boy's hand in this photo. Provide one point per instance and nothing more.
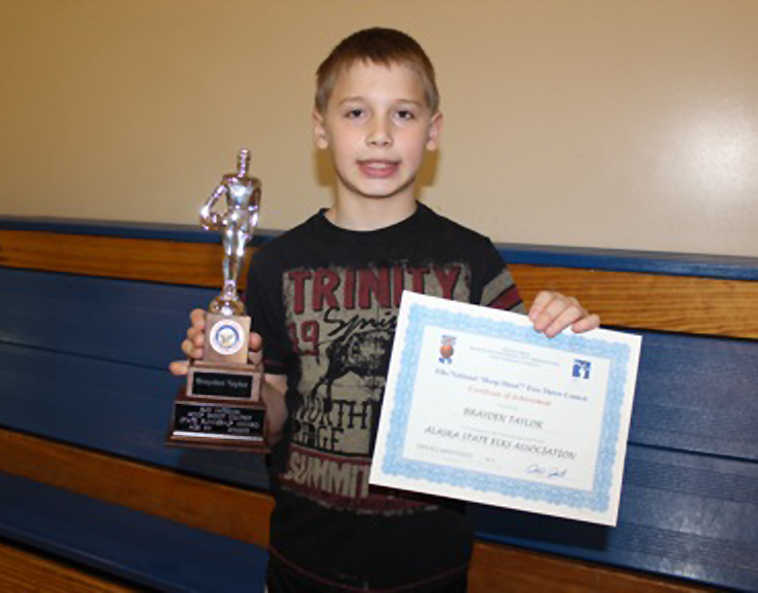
(551, 313)
(192, 345)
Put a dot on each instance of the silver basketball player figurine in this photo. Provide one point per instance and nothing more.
(220, 406)
(237, 223)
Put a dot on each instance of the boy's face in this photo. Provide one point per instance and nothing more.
(377, 125)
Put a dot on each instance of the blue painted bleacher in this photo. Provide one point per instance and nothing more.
(83, 361)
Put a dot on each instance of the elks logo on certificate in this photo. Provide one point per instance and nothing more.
(481, 407)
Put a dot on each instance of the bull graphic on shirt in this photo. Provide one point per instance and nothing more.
(366, 353)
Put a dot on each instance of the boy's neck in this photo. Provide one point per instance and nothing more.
(370, 214)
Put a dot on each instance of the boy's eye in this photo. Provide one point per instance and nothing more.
(354, 113)
(405, 114)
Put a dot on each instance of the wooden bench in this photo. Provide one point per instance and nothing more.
(92, 313)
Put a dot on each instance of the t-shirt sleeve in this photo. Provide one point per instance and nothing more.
(264, 305)
(497, 287)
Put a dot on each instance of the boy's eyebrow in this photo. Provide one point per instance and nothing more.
(359, 98)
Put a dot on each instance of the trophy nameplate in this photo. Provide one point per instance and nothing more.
(217, 424)
(220, 406)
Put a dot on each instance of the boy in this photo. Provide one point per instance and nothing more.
(324, 298)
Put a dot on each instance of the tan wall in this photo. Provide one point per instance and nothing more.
(627, 124)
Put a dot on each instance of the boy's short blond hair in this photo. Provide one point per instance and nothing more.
(380, 46)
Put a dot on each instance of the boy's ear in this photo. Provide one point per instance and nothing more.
(433, 134)
(319, 130)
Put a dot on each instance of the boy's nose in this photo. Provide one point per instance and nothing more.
(380, 134)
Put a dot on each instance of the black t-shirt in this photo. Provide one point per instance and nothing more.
(325, 300)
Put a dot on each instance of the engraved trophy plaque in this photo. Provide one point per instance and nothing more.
(220, 406)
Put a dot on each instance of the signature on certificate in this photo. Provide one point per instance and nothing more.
(535, 469)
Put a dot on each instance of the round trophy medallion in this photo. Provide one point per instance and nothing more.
(226, 336)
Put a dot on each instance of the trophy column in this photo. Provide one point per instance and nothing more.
(220, 406)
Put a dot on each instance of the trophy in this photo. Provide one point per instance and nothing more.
(220, 406)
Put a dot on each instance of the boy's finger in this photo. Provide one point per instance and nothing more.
(255, 353)
(562, 318)
(255, 357)
(197, 318)
(178, 367)
(556, 309)
(191, 350)
(256, 342)
(586, 323)
(196, 335)
(541, 301)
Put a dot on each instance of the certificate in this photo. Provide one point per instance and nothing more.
(481, 407)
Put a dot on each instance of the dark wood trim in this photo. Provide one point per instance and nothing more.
(687, 304)
(21, 570)
(497, 568)
(204, 504)
(627, 260)
(151, 260)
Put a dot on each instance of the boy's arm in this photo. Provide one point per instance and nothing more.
(274, 386)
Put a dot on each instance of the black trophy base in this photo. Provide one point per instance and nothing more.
(212, 424)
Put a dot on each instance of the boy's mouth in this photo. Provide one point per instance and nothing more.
(378, 168)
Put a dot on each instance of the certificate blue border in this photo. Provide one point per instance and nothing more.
(421, 316)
